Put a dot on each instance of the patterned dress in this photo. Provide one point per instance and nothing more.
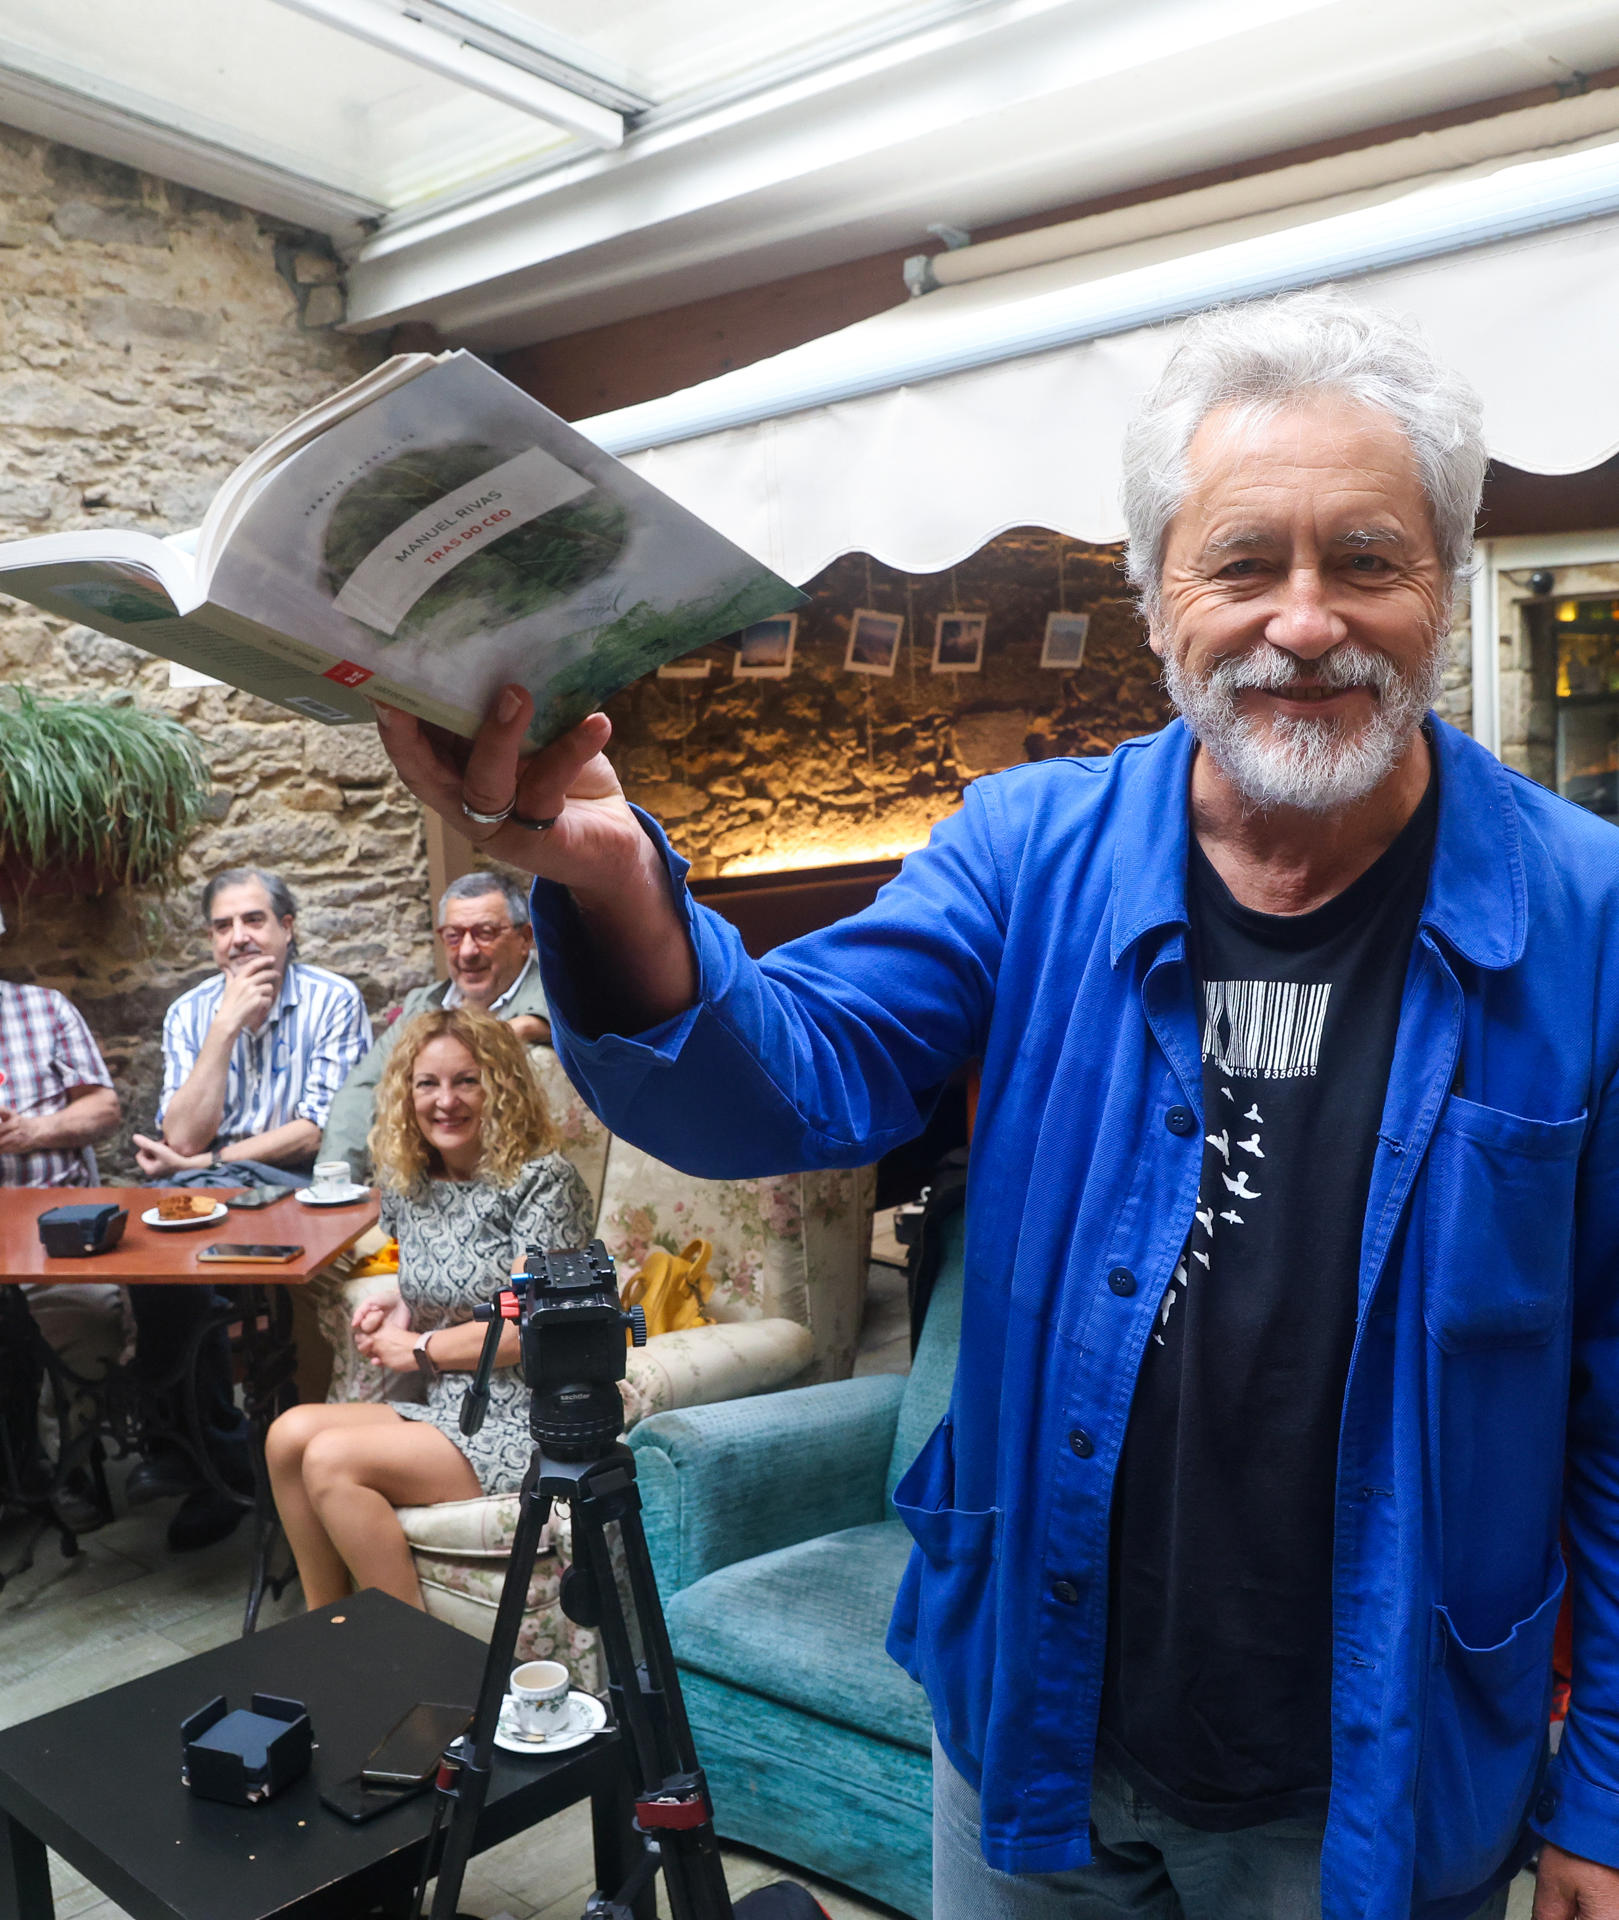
(458, 1243)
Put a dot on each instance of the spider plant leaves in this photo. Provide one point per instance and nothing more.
(107, 793)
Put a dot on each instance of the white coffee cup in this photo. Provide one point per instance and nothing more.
(539, 1698)
(331, 1178)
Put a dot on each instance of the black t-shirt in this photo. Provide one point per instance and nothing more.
(1217, 1697)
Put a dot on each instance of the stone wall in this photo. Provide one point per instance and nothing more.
(828, 766)
(149, 338)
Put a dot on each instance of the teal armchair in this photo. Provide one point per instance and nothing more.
(778, 1552)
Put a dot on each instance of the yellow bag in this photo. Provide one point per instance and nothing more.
(672, 1289)
(384, 1260)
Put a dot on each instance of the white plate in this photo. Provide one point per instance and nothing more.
(586, 1718)
(151, 1218)
(344, 1197)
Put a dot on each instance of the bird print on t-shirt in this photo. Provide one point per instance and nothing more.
(1252, 1030)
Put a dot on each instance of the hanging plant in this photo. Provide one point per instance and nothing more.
(94, 795)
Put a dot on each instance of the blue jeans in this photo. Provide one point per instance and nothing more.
(1144, 1864)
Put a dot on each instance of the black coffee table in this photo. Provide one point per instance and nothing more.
(100, 1781)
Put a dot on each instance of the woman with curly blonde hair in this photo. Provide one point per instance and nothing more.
(464, 1152)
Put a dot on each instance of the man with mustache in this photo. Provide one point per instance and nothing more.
(1293, 1215)
(251, 1060)
(489, 950)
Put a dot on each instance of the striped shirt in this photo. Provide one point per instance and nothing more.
(45, 1053)
(288, 1070)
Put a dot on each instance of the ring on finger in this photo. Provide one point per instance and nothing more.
(534, 826)
(490, 819)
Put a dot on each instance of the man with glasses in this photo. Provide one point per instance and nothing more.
(489, 949)
(251, 1061)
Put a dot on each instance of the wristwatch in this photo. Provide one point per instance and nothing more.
(424, 1359)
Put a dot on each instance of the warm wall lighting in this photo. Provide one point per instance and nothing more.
(797, 859)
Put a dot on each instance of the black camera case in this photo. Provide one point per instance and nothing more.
(69, 1233)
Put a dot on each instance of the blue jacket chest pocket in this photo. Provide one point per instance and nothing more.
(1498, 1230)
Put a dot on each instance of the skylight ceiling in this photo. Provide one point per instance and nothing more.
(281, 83)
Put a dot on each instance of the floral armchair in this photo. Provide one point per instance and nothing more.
(789, 1268)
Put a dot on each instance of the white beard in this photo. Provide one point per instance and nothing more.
(1317, 766)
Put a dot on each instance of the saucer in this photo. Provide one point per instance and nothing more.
(152, 1218)
(344, 1196)
(586, 1718)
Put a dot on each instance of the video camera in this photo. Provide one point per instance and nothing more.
(567, 1310)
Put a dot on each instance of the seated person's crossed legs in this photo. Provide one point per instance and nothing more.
(466, 1156)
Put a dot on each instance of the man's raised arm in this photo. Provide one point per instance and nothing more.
(595, 846)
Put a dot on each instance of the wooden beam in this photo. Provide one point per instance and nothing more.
(448, 857)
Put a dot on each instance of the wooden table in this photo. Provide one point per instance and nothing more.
(168, 1256)
(257, 1311)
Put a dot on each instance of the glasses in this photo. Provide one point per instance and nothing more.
(481, 936)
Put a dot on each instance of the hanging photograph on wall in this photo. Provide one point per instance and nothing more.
(765, 650)
(1065, 640)
(694, 666)
(873, 641)
(958, 642)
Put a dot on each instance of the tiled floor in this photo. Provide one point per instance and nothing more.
(125, 1606)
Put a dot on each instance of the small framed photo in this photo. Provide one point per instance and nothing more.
(873, 641)
(958, 642)
(694, 666)
(764, 651)
(1065, 640)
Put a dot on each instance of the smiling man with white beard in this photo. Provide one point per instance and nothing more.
(1291, 1324)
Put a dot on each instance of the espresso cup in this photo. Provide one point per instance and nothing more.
(331, 1177)
(539, 1698)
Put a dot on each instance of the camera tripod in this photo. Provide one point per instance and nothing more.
(569, 1302)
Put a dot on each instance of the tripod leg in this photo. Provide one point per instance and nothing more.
(470, 1783)
(618, 1847)
(672, 1796)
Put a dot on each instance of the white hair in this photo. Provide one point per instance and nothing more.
(1257, 356)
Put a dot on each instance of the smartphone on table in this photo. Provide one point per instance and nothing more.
(261, 1252)
(408, 1754)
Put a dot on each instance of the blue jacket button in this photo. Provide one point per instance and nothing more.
(1066, 1592)
(1181, 1120)
(1122, 1281)
(1546, 1805)
(1082, 1443)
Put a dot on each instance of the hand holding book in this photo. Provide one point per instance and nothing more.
(597, 848)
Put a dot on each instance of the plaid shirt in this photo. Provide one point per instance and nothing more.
(288, 1070)
(45, 1053)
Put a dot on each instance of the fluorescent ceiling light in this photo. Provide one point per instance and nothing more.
(439, 50)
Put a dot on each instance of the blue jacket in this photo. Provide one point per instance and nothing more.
(1043, 931)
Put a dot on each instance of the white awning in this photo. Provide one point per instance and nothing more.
(920, 434)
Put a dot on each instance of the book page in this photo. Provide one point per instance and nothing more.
(233, 498)
(455, 535)
(105, 573)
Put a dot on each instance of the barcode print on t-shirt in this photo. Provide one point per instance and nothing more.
(1264, 1029)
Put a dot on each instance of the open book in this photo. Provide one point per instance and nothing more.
(423, 537)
